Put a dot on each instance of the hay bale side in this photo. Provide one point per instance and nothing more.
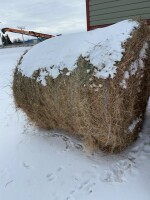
(107, 115)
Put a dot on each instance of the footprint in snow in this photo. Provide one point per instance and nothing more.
(117, 172)
(65, 138)
(86, 187)
(8, 183)
(83, 187)
(146, 149)
(25, 165)
(50, 177)
(70, 198)
(5, 178)
(59, 169)
(79, 147)
(135, 149)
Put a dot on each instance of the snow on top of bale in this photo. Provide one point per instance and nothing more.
(102, 47)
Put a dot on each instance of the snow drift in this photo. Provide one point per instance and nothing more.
(94, 84)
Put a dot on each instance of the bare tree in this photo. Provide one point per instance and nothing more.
(22, 28)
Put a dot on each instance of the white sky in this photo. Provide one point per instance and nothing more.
(47, 16)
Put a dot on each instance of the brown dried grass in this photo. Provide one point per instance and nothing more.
(101, 115)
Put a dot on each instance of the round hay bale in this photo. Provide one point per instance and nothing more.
(107, 112)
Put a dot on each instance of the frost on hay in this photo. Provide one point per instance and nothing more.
(107, 112)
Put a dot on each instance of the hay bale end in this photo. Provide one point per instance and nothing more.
(94, 85)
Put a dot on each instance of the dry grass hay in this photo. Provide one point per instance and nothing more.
(102, 111)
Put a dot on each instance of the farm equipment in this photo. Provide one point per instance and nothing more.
(31, 33)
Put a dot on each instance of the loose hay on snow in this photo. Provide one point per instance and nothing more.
(107, 113)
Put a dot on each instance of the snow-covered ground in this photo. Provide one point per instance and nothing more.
(49, 165)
